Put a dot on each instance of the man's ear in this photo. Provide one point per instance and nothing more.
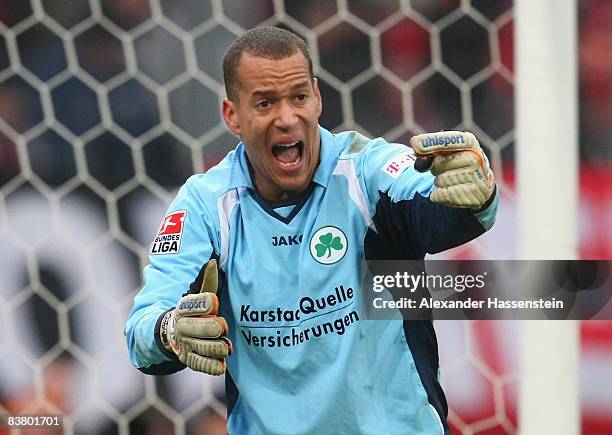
(230, 116)
(317, 93)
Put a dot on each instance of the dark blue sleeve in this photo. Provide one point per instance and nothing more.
(410, 228)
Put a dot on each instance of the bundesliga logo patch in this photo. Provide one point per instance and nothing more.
(168, 239)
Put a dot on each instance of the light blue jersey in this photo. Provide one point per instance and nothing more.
(305, 361)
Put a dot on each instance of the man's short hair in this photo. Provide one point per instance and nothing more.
(268, 42)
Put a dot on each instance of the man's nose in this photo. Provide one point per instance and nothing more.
(286, 116)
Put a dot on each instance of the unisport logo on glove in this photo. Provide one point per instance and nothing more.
(463, 176)
(193, 331)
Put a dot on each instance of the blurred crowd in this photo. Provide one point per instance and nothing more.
(128, 105)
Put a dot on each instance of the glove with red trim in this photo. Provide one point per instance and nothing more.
(193, 331)
(463, 176)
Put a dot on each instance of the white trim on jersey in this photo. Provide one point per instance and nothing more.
(347, 168)
(225, 205)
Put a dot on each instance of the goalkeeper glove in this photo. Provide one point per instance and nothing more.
(463, 176)
(193, 331)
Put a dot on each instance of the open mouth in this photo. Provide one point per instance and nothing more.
(288, 154)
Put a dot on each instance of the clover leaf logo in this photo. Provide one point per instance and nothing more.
(328, 245)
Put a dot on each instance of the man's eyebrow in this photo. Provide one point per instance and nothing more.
(270, 92)
(301, 85)
(262, 93)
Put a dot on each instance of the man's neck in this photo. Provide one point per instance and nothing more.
(279, 196)
(282, 197)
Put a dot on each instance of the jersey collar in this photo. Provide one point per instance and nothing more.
(240, 175)
(329, 158)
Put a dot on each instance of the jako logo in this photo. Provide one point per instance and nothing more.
(328, 245)
(287, 241)
(442, 140)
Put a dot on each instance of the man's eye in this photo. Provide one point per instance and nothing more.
(301, 97)
(264, 104)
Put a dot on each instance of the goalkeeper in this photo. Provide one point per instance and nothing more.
(287, 217)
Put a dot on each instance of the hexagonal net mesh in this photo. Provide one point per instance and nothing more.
(106, 107)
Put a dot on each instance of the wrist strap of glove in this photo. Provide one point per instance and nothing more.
(161, 334)
(489, 201)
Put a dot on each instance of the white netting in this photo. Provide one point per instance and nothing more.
(106, 107)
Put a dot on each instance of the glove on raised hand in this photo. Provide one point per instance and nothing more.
(193, 331)
(463, 176)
